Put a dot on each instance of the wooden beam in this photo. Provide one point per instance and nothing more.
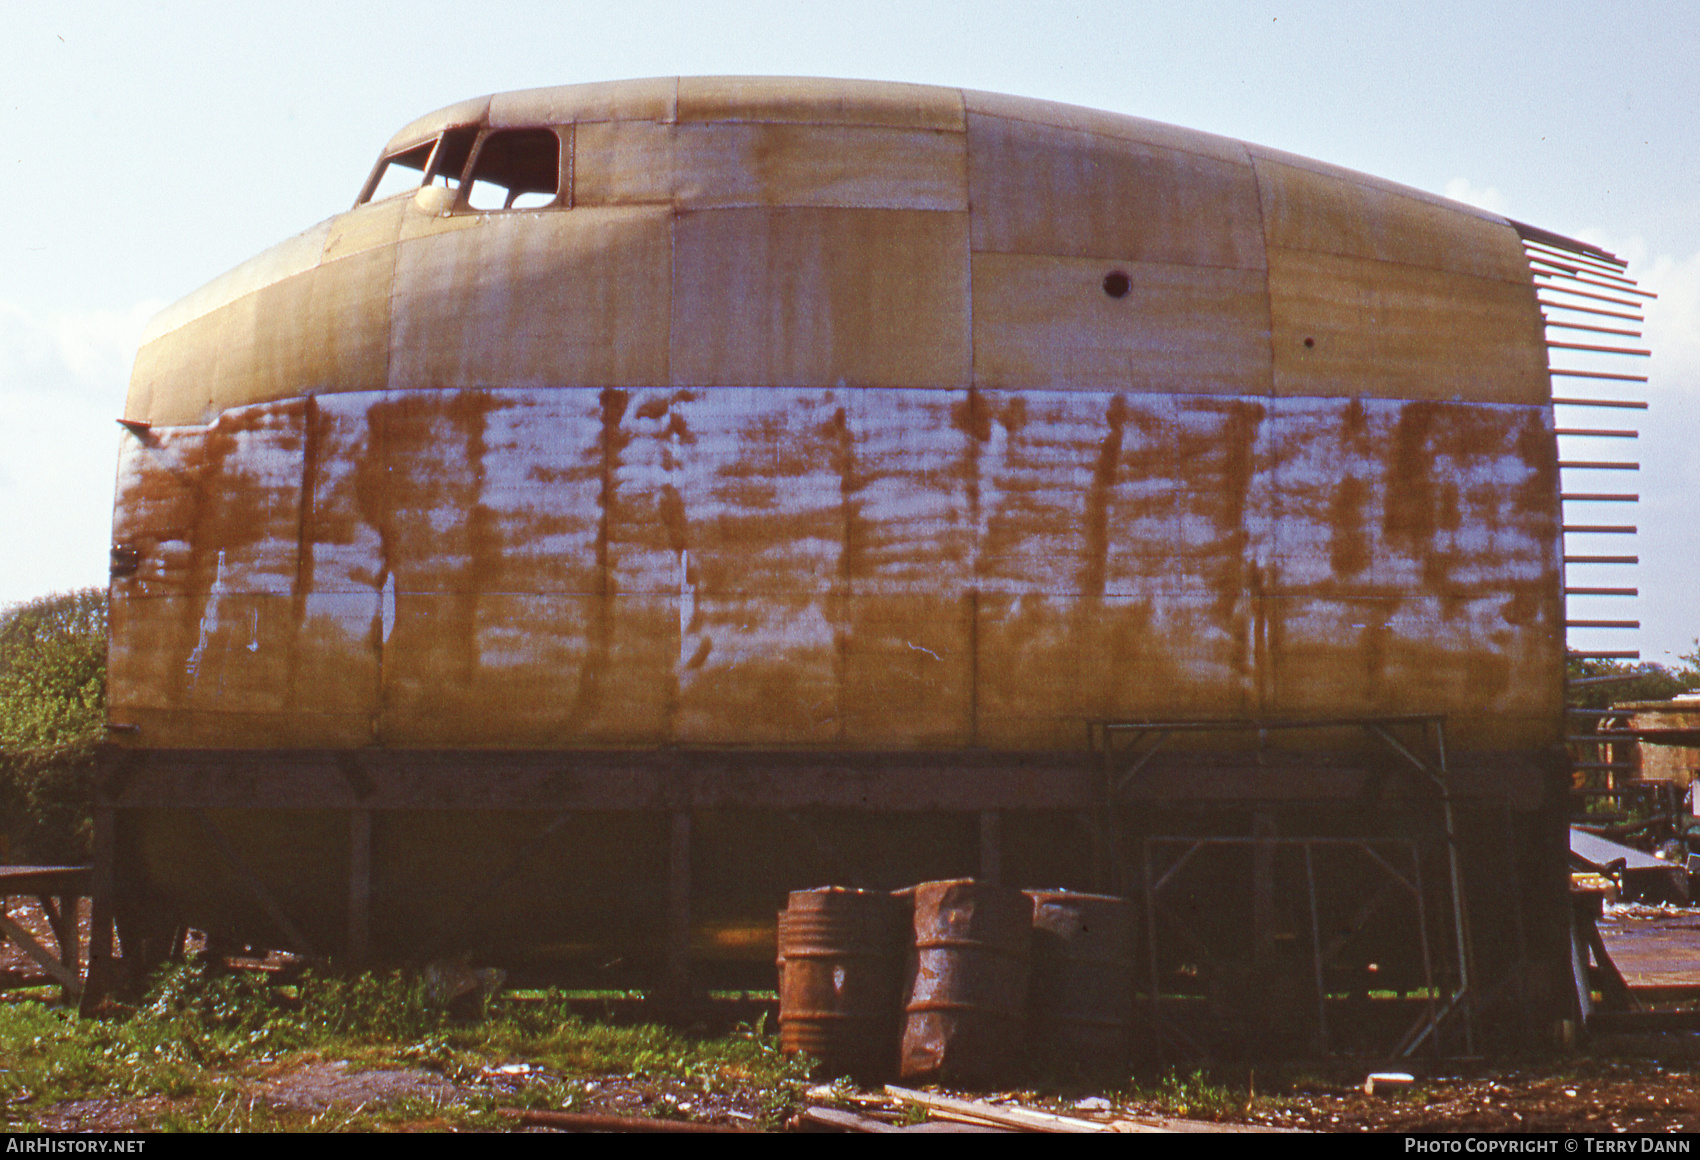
(26, 942)
(679, 906)
(285, 925)
(359, 886)
(991, 846)
(103, 889)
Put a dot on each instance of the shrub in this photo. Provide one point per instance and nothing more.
(52, 716)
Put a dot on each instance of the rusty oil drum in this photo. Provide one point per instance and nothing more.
(1081, 995)
(840, 974)
(965, 1010)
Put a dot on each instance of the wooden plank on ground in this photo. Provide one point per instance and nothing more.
(49, 963)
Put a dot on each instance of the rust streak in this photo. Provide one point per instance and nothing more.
(1097, 521)
(611, 444)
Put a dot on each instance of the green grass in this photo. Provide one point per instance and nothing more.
(200, 1041)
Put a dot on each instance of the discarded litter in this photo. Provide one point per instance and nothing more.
(1395, 1080)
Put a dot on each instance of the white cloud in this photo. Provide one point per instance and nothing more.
(63, 375)
(90, 351)
(1490, 199)
(1669, 447)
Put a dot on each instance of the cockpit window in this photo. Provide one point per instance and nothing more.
(398, 173)
(437, 162)
(516, 169)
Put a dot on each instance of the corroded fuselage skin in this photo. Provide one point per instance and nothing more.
(876, 423)
(805, 421)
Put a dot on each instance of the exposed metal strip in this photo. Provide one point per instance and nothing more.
(1576, 269)
(1593, 329)
(1589, 310)
(1597, 375)
(1542, 237)
(1589, 282)
(1557, 289)
(1568, 254)
(1600, 349)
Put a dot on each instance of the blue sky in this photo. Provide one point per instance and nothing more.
(149, 147)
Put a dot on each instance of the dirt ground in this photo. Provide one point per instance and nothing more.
(1642, 1084)
(1582, 1095)
(1587, 1095)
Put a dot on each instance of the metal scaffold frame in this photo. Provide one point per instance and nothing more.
(1123, 765)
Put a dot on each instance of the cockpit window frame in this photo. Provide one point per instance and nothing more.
(437, 158)
(563, 170)
(432, 167)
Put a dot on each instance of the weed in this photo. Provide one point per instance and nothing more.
(1193, 1096)
(201, 1040)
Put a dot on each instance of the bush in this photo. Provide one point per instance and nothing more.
(52, 718)
(1642, 682)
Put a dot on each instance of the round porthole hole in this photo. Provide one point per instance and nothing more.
(1117, 284)
(1309, 343)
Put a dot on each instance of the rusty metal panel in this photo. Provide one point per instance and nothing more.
(452, 658)
(654, 99)
(1100, 494)
(284, 260)
(250, 462)
(756, 516)
(1114, 559)
(1382, 497)
(1354, 326)
(325, 329)
(815, 553)
(623, 163)
(713, 165)
(424, 225)
(218, 632)
(1415, 562)
(1261, 155)
(1450, 654)
(492, 530)
(823, 102)
(328, 330)
(1114, 125)
(771, 679)
(184, 376)
(1040, 189)
(833, 567)
(794, 297)
(819, 165)
(917, 652)
(1304, 209)
(320, 327)
(1049, 664)
(1048, 323)
(366, 227)
(520, 322)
